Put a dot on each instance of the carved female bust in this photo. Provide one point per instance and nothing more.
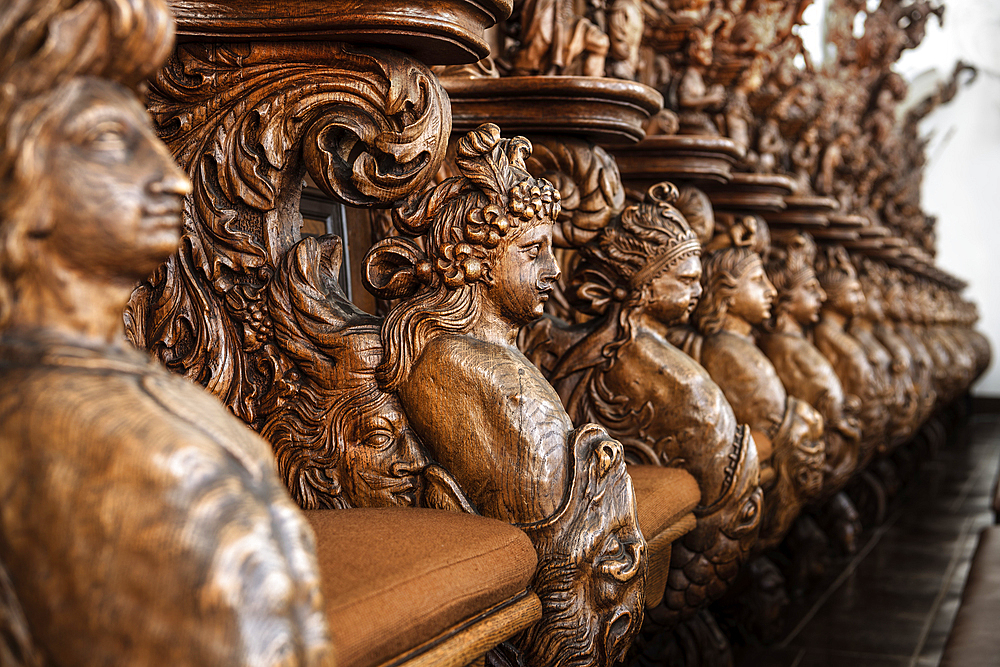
(486, 414)
(844, 301)
(804, 371)
(640, 276)
(125, 487)
(788, 432)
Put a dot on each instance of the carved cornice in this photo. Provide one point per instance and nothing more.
(437, 32)
(751, 193)
(604, 110)
(803, 212)
(678, 157)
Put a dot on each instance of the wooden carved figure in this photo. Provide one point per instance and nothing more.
(808, 375)
(887, 353)
(787, 430)
(639, 276)
(487, 415)
(341, 441)
(556, 39)
(695, 97)
(848, 356)
(899, 325)
(141, 522)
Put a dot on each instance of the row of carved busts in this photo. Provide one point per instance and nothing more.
(461, 397)
(770, 370)
(737, 68)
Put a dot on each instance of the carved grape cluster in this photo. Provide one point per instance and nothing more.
(529, 201)
(459, 264)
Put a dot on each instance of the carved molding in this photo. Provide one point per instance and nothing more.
(434, 31)
(604, 110)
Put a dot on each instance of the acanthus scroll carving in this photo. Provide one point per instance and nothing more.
(247, 121)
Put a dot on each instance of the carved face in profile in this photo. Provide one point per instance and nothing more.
(846, 298)
(119, 210)
(804, 300)
(873, 300)
(523, 271)
(671, 296)
(594, 594)
(753, 296)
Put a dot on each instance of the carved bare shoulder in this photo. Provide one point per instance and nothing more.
(191, 497)
(483, 409)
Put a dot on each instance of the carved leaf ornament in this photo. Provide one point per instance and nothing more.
(246, 121)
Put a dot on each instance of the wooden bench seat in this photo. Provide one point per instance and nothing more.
(665, 501)
(417, 586)
(975, 637)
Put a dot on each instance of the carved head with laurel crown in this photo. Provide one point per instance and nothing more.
(645, 263)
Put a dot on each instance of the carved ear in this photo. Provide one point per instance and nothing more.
(395, 268)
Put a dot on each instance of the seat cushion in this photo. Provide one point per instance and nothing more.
(974, 638)
(395, 578)
(663, 496)
(665, 499)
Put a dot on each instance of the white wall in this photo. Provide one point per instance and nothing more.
(962, 180)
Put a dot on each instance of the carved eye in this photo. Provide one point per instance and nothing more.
(533, 251)
(749, 512)
(108, 137)
(379, 440)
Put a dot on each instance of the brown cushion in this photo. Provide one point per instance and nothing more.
(663, 496)
(975, 636)
(394, 578)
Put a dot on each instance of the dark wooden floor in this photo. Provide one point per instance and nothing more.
(893, 604)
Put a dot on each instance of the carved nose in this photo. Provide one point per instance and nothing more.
(173, 182)
(628, 566)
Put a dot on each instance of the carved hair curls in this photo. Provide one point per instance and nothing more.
(461, 223)
(731, 254)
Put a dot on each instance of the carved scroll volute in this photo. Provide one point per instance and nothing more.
(247, 121)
